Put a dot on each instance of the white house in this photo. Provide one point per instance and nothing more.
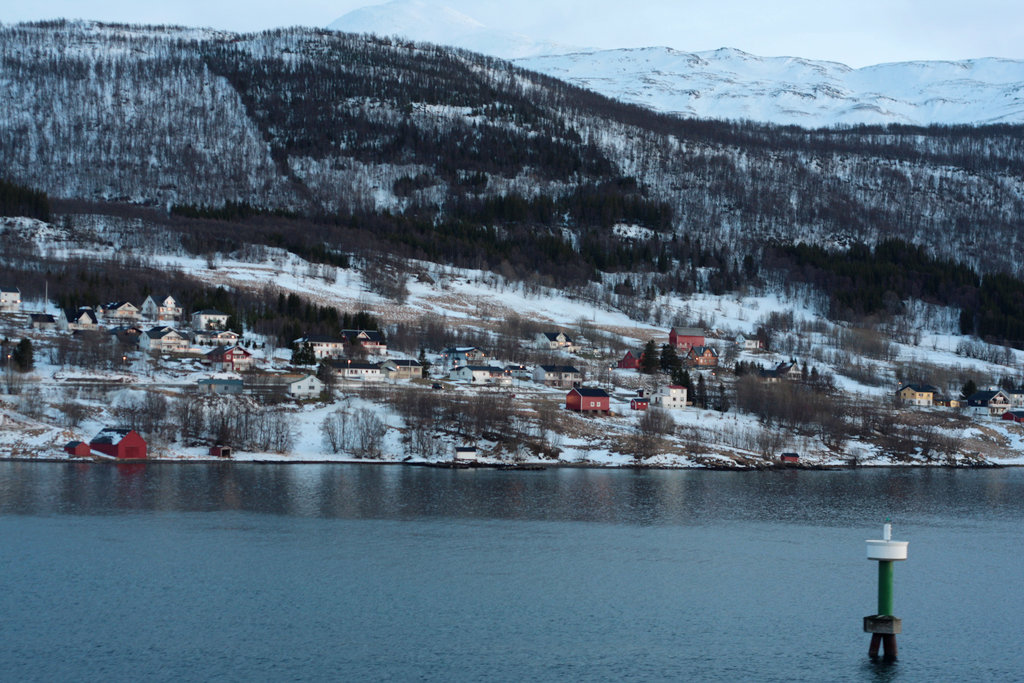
(554, 340)
(479, 374)
(120, 311)
(461, 355)
(357, 370)
(402, 369)
(164, 339)
(10, 299)
(209, 319)
(83, 318)
(304, 386)
(564, 376)
(168, 309)
(323, 346)
(671, 397)
(748, 343)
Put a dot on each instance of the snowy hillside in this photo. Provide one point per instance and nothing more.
(727, 83)
(426, 22)
(730, 84)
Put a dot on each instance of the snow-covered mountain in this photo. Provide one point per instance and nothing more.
(731, 84)
(425, 21)
(728, 83)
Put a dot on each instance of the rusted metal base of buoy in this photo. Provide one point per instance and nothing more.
(883, 629)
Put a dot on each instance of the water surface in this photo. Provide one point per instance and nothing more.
(348, 572)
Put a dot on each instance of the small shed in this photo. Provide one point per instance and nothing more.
(1014, 415)
(78, 449)
(119, 443)
(465, 453)
(790, 457)
(220, 451)
(640, 403)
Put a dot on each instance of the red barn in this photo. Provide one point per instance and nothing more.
(79, 449)
(120, 443)
(588, 400)
(630, 362)
(684, 338)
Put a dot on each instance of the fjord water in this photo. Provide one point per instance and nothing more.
(348, 572)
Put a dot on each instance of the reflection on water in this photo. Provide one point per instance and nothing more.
(404, 492)
(361, 572)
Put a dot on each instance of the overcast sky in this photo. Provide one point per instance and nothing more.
(855, 33)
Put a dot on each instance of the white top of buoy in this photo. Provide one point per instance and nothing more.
(887, 549)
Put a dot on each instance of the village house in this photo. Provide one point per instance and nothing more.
(671, 397)
(323, 346)
(209, 319)
(119, 312)
(78, 449)
(216, 338)
(465, 454)
(126, 335)
(304, 386)
(685, 338)
(461, 355)
(788, 371)
(82, 318)
(917, 394)
(119, 443)
(166, 311)
(992, 402)
(479, 374)
(10, 300)
(219, 385)
(402, 369)
(639, 403)
(163, 340)
(562, 376)
(371, 340)
(552, 341)
(748, 343)
(42, 321)
(630, 362)
(1014, 416)
(519, 372)
(588, 400)
(701, 356)
(229, 359)
(356, 370)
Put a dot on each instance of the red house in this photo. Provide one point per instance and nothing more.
(233, 358)
(588, 400)
(684, 338)
(640, 403)
(79, 449)
(630, 362)
(1014, 415)
(119, 443)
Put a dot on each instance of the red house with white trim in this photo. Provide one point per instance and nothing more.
(119, 443)
(233, 358)
(588, 400)
(685, 338)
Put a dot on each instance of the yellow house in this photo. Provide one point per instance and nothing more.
(917, 394)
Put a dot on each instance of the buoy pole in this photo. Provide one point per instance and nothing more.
(884, 626)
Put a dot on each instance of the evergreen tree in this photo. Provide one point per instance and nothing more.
(22, 356)
(649, 360)
(302, 354)
(969, 388)
(424, 362)
(701, 399)
(669, 359)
